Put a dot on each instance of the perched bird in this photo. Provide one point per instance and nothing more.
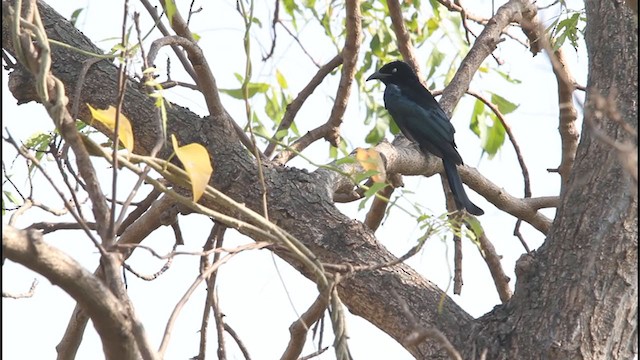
(422, 120)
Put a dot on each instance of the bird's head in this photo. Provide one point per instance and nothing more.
(394, 72)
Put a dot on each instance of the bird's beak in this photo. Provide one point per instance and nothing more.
(378, 75)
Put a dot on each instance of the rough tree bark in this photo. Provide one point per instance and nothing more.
(575, 298)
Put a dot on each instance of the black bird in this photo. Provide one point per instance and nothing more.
(422, 120)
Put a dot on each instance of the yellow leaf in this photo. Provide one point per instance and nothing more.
(370, 159)
(108, 118)
(196, 162)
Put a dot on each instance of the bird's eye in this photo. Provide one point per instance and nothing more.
(394, 70)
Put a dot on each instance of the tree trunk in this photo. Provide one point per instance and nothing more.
(577, 296)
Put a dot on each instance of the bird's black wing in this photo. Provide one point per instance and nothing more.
(422, 121)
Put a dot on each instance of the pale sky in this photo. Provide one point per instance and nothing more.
(260, 294)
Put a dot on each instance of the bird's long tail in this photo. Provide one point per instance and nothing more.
(455, 183)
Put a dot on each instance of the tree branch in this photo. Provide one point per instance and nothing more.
(484, 45)
(109, 316)
(349, 55)
(296, 104)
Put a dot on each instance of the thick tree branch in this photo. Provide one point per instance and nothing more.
(107, 313)
(204, 78)
(349, 60)
(410, 161)
(491, 257)
(404, 40)
(569, 134)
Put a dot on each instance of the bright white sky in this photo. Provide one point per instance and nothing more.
(260, 294)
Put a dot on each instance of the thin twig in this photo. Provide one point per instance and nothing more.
(296, 104)
(122, 68)
(48, 227)
(202, 277)
(351, 269)
(218, 316)
(151, 277)
(297, 40)
(300, 327)
(76, 217)
(236, 338)
(512, 139)
(181, 56)
(457, 263)
(330, 130)
(28, 294)
(274, 33)
(314, 354)
(139, 210)
(482, 48)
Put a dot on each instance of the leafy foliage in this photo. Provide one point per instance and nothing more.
(570, 27)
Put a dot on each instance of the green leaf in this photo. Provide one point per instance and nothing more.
(11, 197)
(505, 106)
(272, 108)
(371, 191)
(281, 80)
(38, 141)
(393, 127)
(377, 133)
(567, 29)
(359, 177)
(508, 77)
(476, 228)
(376, 47)
(290, 6)
(171, 9)
(346, 160)
(492, 135)
(433, 62)
(436, 8)
(294, 128)
(488, 128)
(281, 134)
(253, 88)
(433, 24)
(333, 152)
(478, 109)
(74, 16)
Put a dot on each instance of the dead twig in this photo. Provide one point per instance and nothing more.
(24, 295)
